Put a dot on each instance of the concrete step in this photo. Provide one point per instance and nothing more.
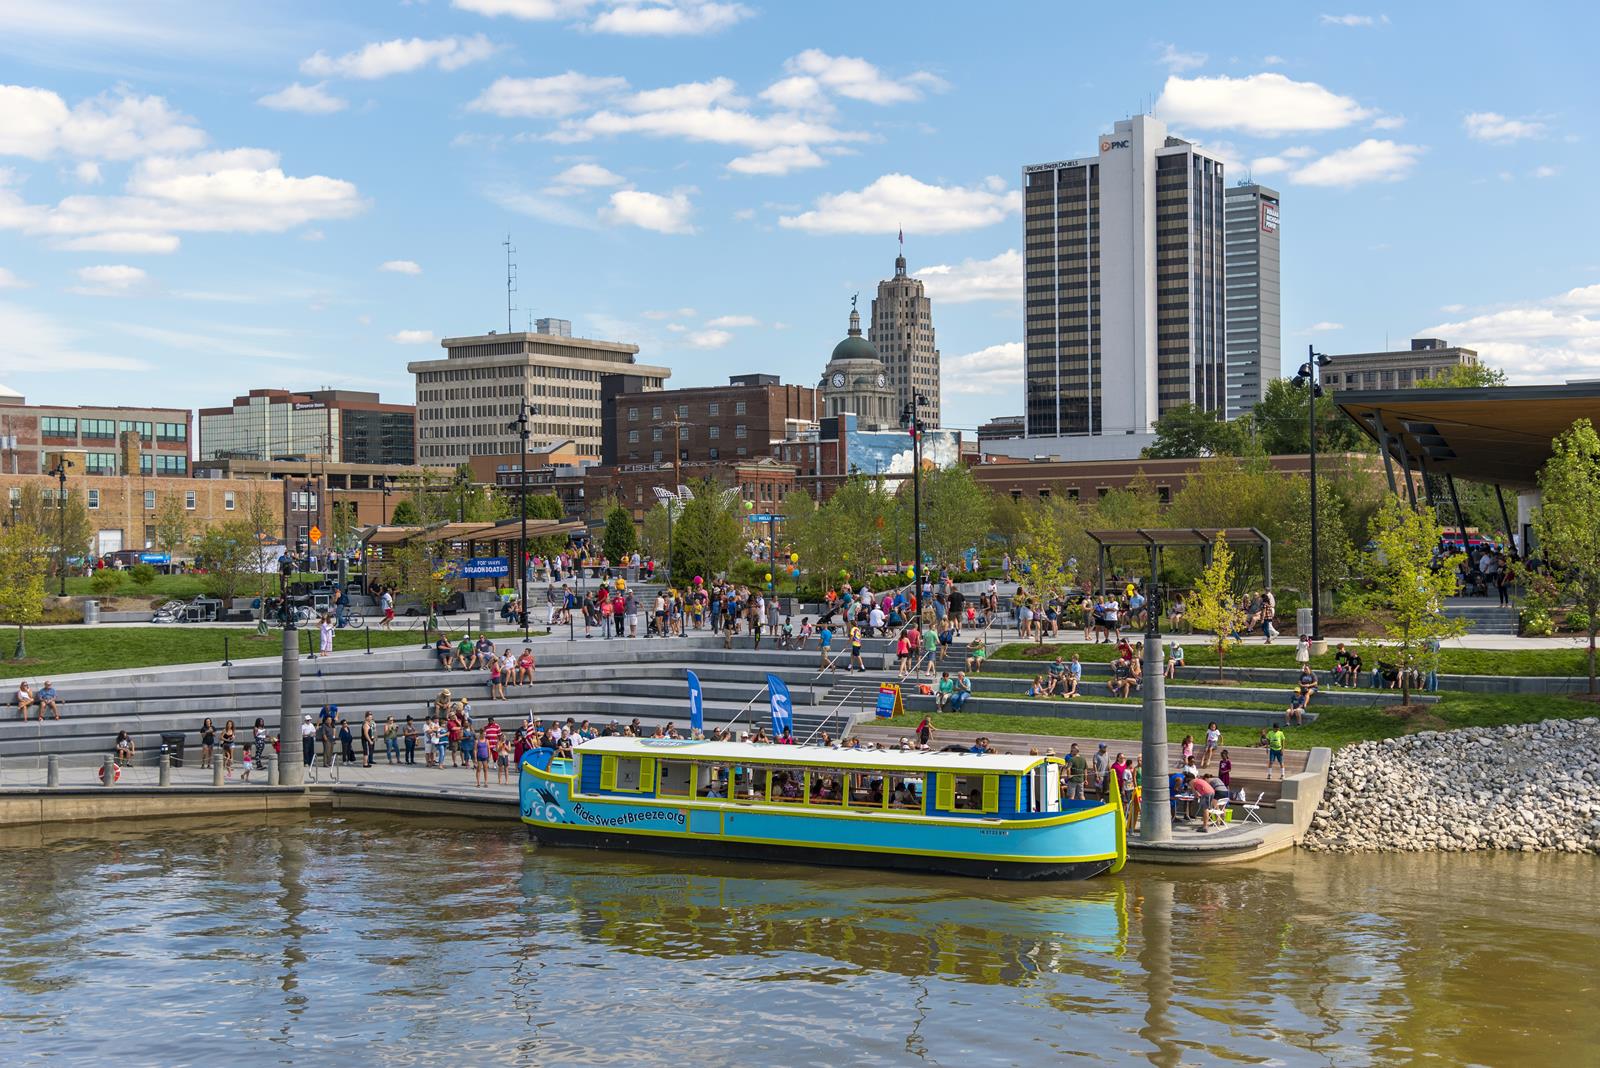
(1081, 708)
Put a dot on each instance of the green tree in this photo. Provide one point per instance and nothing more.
(143, 575)
(230, 557)
(24, 566)
(259, 526)
(707, 532)
(411, 571)
(173, 524)
(955, 513)
(1567, 523)
(1466, 376)
(1190, 431)
(620, 538)
(50, 516)
(105, 581)
(1212, 606)
(1280, 421)
(405, 514)
(1007, 523)
(653, 533)
(1409, 588)
(1043, 548)
(851, 531)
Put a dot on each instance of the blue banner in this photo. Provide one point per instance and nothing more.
(696, 703)
(155, 558)
(782, 707)
(484, 567)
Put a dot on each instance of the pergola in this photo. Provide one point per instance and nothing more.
(501, 537)
(1202, 538)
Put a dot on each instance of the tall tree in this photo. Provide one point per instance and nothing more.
(1281, 420)
(1190, 431)
(619, 539)
(1043, 548)
(411, 571)
(24, 568)
(51, 516)
(1567, 523)
(230, 557)
(405, 514)
(262, 523)
(707, 532)
(1213, 606)
(955, 513)
(1466, 376)
(1409, 587)
(653, 533)
(173, 524)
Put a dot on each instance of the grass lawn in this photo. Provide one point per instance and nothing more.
(60, 650)
(174, 586)
(1451, 661)
(1334, 727)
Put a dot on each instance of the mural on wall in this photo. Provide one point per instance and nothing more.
(888, 452)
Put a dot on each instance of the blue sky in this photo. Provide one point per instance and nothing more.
(198, 199)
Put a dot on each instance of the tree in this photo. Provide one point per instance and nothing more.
(405, 514)
(1280, 418)
(653, 533)
(259, 526)
(24, 566)
(1190, 431)
(143, 575)
(173, 524)
(1409, 587)
(1465, 376)
(45, 515)
(229, 555)
(411, 571)
(847, 533)
(620, 538)
(1567, 523)
(955, 513)
(106, 581)
(1043, 550)
(707, 532)
(1212, 607)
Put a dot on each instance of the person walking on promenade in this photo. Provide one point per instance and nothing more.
(325, 634)
(308, 740)
(228, 733)
(208, 742)
(258, 739)
(386, 604)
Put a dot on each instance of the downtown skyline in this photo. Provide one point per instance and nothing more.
(199, 200)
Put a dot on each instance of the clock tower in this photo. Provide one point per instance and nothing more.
(856, 382)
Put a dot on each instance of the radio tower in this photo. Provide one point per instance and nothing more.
(511, 281)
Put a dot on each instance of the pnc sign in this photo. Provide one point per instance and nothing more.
(1107, 146)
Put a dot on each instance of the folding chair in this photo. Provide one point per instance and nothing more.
(1252, 809)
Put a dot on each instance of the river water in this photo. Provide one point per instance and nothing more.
(442, 942)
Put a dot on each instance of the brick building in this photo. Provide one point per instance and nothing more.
(763, 482)
(1088, 479)
(745, 419)
(153, 442)
(338, 425)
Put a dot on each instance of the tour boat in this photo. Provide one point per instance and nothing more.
(998, 816)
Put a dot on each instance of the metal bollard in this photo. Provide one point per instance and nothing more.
(164, 773)
(216, 773)
(52, 771)
(108, 771)
(272, 771)
(225, 661)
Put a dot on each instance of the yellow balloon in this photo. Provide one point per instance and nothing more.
(768, 577)
(794, 558)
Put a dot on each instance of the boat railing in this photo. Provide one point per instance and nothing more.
(850, 695)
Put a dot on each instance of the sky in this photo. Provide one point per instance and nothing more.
(197, 199)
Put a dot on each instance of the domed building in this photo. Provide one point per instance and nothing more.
(855, 382)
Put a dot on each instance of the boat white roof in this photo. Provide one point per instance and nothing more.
(820, 756)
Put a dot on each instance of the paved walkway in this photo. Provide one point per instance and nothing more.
(453, 781)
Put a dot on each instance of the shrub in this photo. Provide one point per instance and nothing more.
(143, 575)
(105, 581)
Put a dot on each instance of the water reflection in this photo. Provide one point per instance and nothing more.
(442, 942)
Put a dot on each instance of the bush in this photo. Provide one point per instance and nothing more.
(1577, 620)
(143, 575)
(1536, 624)
(105, 581)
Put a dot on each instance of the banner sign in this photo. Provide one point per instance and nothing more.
(484, 567)
(782, 707)
(889, 702)
(696, 703)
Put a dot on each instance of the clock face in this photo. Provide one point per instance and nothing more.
(838, 380)
(881, 381)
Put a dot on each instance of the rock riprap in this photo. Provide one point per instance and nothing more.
(1532, 787)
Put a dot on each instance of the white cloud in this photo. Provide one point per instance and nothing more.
(707, 339)
(1537, 340)
(557, 95)
(583, 176)
(1496, 128)
(110, 280)
(37, 124)
(998, 278)
(400, 56)
(33, 342)
(1545, 171)
(306, 99)
(1324, 327)
(1281, 161)
(991, 370)
(532, 10)
(545, 206)
(853, 77)
(1267, 105)
(1353, 20)
(669, 18)
(9, 280)
(1273, 61)
(798, 92)
(240, 191)
(1177, 61)
(733, 321)
(1387, 122)
(401, 266)
(412, 337)
(780, 160)
(1370, 161)
(899, 200)
(719, 125)
(686, 95)
(651, 211)
(88, 172)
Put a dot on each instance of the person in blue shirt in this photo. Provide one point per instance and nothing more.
(1175, 786)
(824, 640)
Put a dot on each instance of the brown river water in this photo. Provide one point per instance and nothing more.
(372, 940)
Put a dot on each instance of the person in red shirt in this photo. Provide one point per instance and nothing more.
(491, 734)
(1204, 795)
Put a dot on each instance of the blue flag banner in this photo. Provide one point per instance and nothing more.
(782, 707)
(696, 703)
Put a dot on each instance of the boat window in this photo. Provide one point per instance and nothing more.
(711, 780)
(630, 774)
(969, 793)
(787, 785)
(825, 786)
(905, 792)
(674, 778)
(749, 784)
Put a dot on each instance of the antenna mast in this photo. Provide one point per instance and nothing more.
(511, 281)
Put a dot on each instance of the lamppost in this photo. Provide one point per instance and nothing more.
(912, 416)
(519, 425)
(1309, 377)
(60, 474)
(386, 483)
(291, 769)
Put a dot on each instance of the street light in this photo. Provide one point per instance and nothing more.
(386, 483)
(912, 417)
(60, 475)
(519, 426)
(1309, 377)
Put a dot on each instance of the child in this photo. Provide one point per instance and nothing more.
(1295, 713)
(1225, 770)
(1213, 743)
(1174, 660)
(786, 637)
(249, 763)
(806, 630)
(1188, 749)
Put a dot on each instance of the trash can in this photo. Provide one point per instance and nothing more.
(1302, 621)
(172, 746)
(91, 611)
(486, 620)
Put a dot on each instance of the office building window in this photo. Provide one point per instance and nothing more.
(94, 498)
(716, 409)
(52, 427)
(633, 415)
(738, 408)
(105, 429)
(715, 453)
(683, 411)
(740, 431)
(715, 432)
(228, 499)
(633, 436)
(655, 413)
(150, 498)
(100, 463)
(188, 499)
(655, 433)
(172, 431)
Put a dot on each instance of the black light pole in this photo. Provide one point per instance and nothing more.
(385, 483)
(1309, 377)
(60, 474)
(913, 418)
(520, 425)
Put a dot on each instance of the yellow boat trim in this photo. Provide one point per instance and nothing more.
(686, 753)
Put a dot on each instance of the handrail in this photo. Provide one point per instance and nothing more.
(748, 705)
(829, 717)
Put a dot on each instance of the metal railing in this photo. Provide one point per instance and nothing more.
(748, 705)
(833, 712)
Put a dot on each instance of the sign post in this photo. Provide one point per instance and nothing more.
(315, 535)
